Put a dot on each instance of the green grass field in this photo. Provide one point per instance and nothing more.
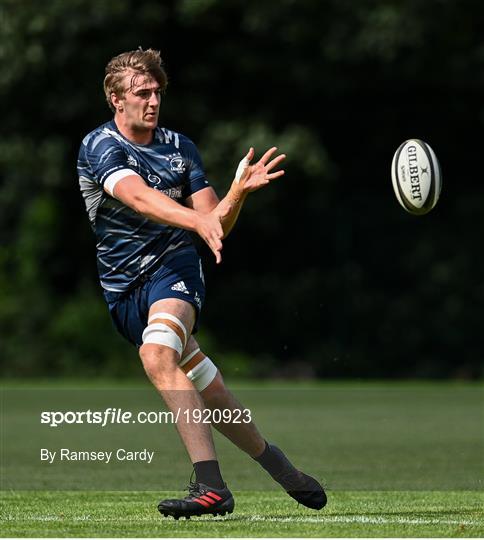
(398, 459)
(266, 514)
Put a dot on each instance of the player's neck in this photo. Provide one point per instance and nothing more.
(137, 136)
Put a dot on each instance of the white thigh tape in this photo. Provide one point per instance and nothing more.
(203, 374)
(172, 318)
(162, 334)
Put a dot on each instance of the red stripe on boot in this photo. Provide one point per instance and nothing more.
(208, 499)
(214, 495)
(203, 503)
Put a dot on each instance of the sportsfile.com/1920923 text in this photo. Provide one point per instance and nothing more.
(113, 415)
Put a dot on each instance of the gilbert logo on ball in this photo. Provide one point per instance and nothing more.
(416, 176)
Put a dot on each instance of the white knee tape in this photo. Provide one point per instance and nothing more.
(162, 334)
(172, 318)
(188, 357)
(203, 374)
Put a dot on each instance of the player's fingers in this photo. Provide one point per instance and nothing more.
(217, 236)
(250, 154)
(265, 158)
(275, 162)
(274, 175)
(215, 246)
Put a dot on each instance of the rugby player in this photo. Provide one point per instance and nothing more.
(145, 190)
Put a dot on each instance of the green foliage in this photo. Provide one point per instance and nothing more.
(346, 282)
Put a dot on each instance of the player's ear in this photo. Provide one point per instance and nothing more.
(117, 102)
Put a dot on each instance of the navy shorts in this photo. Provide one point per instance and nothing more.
(179, 276)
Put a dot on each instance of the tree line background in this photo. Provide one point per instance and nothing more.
(325, 275)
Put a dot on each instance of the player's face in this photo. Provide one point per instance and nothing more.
(141, 103)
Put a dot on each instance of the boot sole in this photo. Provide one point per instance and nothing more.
(222, 510)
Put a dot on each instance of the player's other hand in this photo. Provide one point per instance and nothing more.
(252, 177)
(209, 228)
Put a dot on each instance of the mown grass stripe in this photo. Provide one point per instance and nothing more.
(373, 520)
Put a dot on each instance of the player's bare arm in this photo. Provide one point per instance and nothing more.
(156, 206)
(248, 178)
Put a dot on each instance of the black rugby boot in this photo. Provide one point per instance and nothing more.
(201, 500)
(303, 488)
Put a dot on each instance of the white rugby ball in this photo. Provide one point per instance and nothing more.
(416, 176)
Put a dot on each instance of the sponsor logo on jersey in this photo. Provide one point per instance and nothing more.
(153, 179)
(177, 164)
(173, 192)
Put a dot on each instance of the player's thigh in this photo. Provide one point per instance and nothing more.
(179, 309)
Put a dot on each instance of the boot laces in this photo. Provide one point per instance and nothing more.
(194, 490)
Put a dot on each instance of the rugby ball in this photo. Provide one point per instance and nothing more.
(416, 177)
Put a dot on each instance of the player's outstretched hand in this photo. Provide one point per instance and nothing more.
(252, 177)
(209, 228)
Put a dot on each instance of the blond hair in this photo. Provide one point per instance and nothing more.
(140, 63)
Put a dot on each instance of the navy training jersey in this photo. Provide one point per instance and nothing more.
(128, 244)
